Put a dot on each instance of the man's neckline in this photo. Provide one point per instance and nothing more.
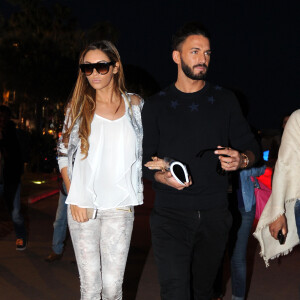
(184, 94)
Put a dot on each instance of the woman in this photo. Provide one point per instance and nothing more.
(282, 209)
(242, 207)
(100, 154)
(243, 212)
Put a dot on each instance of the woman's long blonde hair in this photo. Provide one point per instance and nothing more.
(83, 101)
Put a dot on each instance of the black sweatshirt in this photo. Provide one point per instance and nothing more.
(179, 125)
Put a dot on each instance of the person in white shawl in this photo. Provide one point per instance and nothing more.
(279, 213)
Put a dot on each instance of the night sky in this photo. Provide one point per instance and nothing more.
(255, 45)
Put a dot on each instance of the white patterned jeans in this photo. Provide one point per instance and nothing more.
(101, 247)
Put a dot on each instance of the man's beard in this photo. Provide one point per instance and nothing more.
(188, 71)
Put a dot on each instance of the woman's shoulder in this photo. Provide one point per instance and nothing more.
(135, 99)
(294, 120)
(296, 114)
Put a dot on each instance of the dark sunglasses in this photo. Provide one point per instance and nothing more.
(101, 67)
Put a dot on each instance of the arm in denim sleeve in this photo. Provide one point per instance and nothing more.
(257, 171)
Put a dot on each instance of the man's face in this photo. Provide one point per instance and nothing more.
(195, 57)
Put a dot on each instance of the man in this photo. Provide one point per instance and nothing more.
(11, 169)
(190, 222)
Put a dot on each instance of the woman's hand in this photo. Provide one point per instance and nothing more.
(278, 224)
(157, 164)
(79, 214)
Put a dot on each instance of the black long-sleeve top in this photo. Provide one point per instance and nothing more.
(179, 125)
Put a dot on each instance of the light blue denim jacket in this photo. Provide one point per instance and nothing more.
(67, 150)
(247, 185)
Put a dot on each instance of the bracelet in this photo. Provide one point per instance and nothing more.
(245, 161)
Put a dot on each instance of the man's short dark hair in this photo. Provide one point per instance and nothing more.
(192, 28)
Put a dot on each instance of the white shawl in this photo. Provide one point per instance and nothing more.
(285, 191)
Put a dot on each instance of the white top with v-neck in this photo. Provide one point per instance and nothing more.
(104, 179)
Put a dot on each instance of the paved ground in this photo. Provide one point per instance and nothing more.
(24, 275)
(281, 281)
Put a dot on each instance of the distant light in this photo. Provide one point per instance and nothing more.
(38, 182)
(266, 155)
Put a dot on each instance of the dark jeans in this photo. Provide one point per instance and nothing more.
(60, 224)
(238, 248)
(188, 248)
(237, 245)
(11, 194)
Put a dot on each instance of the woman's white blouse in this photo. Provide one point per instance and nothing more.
(107, 177)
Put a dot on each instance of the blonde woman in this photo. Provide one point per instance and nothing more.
(100, 155)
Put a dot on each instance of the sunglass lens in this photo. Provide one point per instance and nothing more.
(86, 69)
(102, 68)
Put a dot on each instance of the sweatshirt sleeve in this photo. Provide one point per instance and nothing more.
(151, 136)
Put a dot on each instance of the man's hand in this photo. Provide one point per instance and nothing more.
(168, 179)
(230, 159)
(79, 214)
(278, 224)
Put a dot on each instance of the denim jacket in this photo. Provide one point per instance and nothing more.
(67, 151)
(247, 185)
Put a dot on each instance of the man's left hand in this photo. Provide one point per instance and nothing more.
(230, 159)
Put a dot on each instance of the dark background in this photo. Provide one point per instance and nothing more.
(255, 45)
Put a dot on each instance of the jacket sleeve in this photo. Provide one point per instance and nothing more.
(151, 136)
(62, 146)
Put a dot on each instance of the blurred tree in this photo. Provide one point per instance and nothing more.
(39, 49)
(101, 31)
(139, 81)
